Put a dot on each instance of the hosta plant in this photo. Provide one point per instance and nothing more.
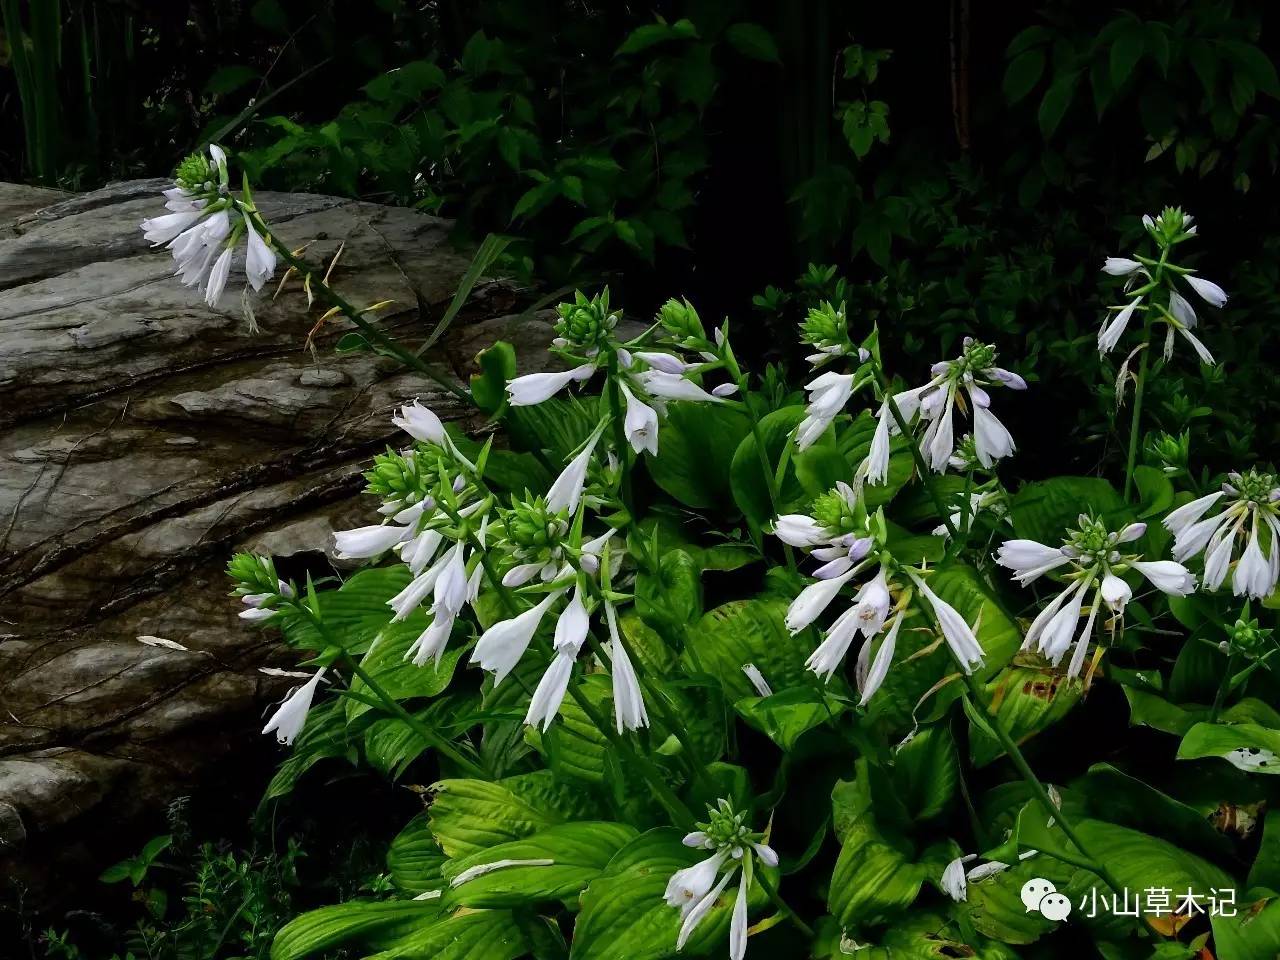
(700, 661)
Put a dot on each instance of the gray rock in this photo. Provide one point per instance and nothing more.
(143, 438)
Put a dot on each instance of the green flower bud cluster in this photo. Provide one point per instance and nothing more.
(1254, 486)
(834, 513)
(253, 574)
(1172, 453)
(1248, 639)
(401, 476)
(532, 528)
(198, 174)
(586, 323)
(977, 356)
(727, 828)
(1170, 226)
(1092, 541)
(681, 320)
(827, 328)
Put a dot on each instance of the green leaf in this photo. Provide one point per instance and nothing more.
(1022, 74)
(809, 473)
(650, 34)
(470, 935)
(353, 614)
(1055, 103)
(673, 597)
(928, 936)
(747, 631)
(497, 366)
(624, 916)
(229, 79)
(402, 679)
(752, 40)
(578, 852)
(1046, 509)
(1126, 51)
(573, 746)
(926, 771)
(1149, 710)
(468, 816)
(1026, 701)
(368, 923)
(695, 446)
(324, 736)
(1252, 748)
(873, 880)
(414, 859)
(786, 716)
(559, 425)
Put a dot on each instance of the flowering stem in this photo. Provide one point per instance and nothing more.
(1134, 425)
(619, 431)
(334, 299)
(767, 885)
(1220, 697)
(770, 480)
(417, 726)
(922, 468)
(1037, 788)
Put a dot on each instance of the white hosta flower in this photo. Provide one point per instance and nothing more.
(420, 423)
(364, 543)
(640, 424)
(673, 386)
(870, 678)
(1120, 266)
(955, 631)
(939, 399)
(1250, 520)
(205, 226)
(1113, 328)
(695, 890)
(628, 701)
(431, 643)
(814, 599)
(534, 388)
(757, 679)
(665, 362)
(828, 394)
(260, 259)
(798, 530)
(565, 493)
(1093, 562)
(500, 647)
(291, 716)
(549, 694)
(1207, 290)
(954, 883)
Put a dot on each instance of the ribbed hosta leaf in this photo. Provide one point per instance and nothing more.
(369, 923)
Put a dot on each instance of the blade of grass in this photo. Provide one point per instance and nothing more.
(490, 250)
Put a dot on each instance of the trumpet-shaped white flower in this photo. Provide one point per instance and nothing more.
(259, 259)
(363, 543)
(871, 673)
(565, 493)
(420, 423)
(640, 424)
(954, 883)
(500, 647)
(673, 386)
(1250, 520)
(1094, 564)
(535, 388)
(549, 694)
(1207, 290)
(628, 702)
(291, 716)
(955, 631)
(757, 679)
(1120, 266)
(828, 393)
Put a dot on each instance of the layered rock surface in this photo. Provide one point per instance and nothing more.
(143, 438)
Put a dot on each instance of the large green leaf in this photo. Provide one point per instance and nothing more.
(559, 425)
(468, 816)
(1251, 747)
(1046, 509)
(747, 631)
(467, 935)
(353, 614)
(414, 859)
(573, 745)
(926, 771)
(1024, 701)
(571, 855)
(925, 936)
(370, 923)
(786, 716)
(1253, 934)
(695, 446)
(323, 736)
(403, 679)
(624, 916)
